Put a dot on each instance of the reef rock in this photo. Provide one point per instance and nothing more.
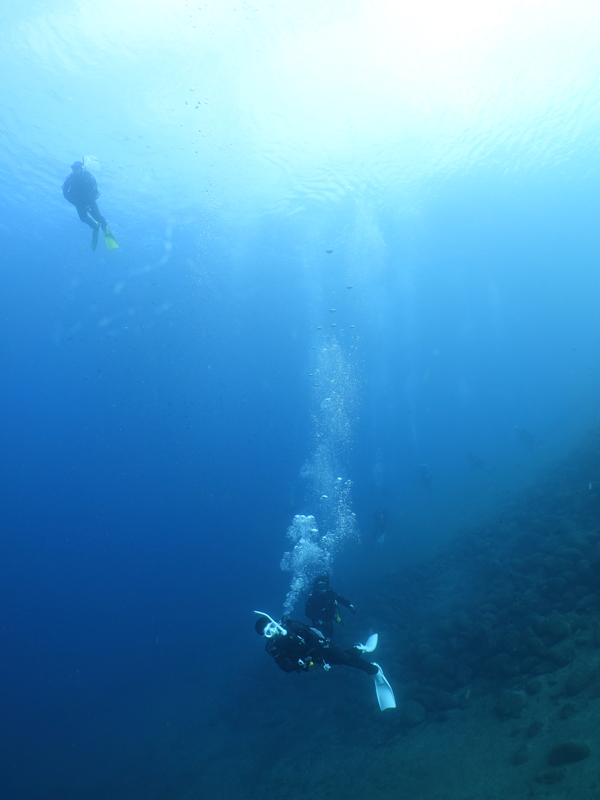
(568, 753)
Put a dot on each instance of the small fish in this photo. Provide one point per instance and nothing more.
(329, 251)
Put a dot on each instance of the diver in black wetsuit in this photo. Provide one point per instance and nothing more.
(321, 605)
(300, 647)
(81, 190)
(296, 648)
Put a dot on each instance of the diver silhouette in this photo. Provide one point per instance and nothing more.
(81, 190)
(321, 606)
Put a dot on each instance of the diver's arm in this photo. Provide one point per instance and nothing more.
(66, 188)
(344, 602)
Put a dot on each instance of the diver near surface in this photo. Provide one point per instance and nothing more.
(321, 605)
(295, 648)
(81, 190)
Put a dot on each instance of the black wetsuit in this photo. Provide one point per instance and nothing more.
(81, 190)
(321, 609)
(303, 646)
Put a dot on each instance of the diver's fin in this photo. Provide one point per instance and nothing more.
(110, 240)
(95, 237)
(369, 646)
(385, 695)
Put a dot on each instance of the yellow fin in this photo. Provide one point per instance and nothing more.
(110, 240)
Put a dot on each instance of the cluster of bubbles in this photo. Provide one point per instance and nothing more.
(336, 398)
(91, 163)
(315, 546)
(306, 559)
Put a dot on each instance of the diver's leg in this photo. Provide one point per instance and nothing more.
(360, 663)
(350, 658)
(83, 216)
(95, 213)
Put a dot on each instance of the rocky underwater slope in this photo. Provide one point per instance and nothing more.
(508, 619)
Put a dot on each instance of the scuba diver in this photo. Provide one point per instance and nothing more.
(321, 605)
(295, 648)
(381, 521)
(81, 190)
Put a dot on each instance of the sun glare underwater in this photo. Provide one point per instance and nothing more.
(300, 337)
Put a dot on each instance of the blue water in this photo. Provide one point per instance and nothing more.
(159, 400)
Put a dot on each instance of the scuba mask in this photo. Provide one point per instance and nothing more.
(272, 628)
